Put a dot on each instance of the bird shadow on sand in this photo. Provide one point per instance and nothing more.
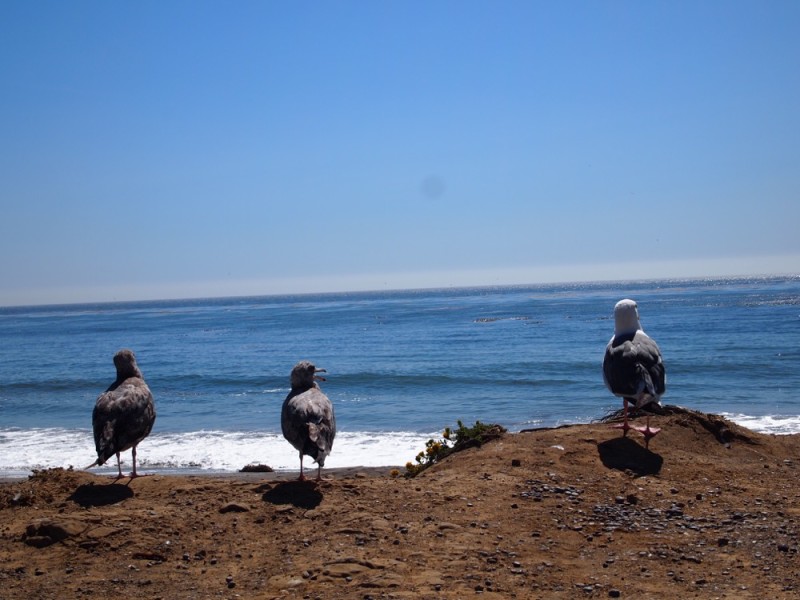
(89, 494)
(624, 454)
(301, 494)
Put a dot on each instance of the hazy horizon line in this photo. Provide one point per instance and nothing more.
(785, 266)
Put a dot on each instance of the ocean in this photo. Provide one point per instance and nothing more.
(401, 366)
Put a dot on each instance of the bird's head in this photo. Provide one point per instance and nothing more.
(125, 363)
(626, 317)
(304, 374)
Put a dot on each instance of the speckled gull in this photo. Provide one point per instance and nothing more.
(307, 418)
(124, 414)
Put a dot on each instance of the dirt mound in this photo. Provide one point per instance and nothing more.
(708, 510)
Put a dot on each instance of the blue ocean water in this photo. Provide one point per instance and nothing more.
(401, 366)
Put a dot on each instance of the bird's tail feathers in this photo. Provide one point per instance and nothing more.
(320, 458)
(318, 433)
(646, 399)
(647, 390)
(101, 460)
(315, 435)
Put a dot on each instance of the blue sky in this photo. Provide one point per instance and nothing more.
(177, 149)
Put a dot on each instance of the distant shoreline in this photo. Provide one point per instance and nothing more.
(400, 290)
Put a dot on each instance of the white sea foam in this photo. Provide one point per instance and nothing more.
(22, 450)
(213, 451)
(777, 424)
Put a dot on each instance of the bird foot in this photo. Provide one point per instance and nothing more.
(648, 433)
(119, 476)
(625, 426)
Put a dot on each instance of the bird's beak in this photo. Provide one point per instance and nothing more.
(317, 377)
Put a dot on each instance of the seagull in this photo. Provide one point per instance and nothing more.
(307, 418)
(632, 366)
(124, 414)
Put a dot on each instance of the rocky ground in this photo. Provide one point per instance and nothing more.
(709, 511)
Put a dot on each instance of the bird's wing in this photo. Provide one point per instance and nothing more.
(619, 366)
(122, 418)
(632, 368)
(308, 422)
(608, 375)
(649, 356)
(324, 420)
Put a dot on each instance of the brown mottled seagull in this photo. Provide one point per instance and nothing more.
(124, 414)
(632, 366)
(307, 418)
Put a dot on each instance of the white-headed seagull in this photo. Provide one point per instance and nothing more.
(632, 366)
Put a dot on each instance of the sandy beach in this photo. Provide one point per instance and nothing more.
(709, 511)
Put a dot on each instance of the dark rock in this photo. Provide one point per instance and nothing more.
(39, 541)
(234, 507)
(152, 556)
(256, 469)
(44, 532)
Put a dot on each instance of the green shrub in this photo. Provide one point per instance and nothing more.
(453, 441)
